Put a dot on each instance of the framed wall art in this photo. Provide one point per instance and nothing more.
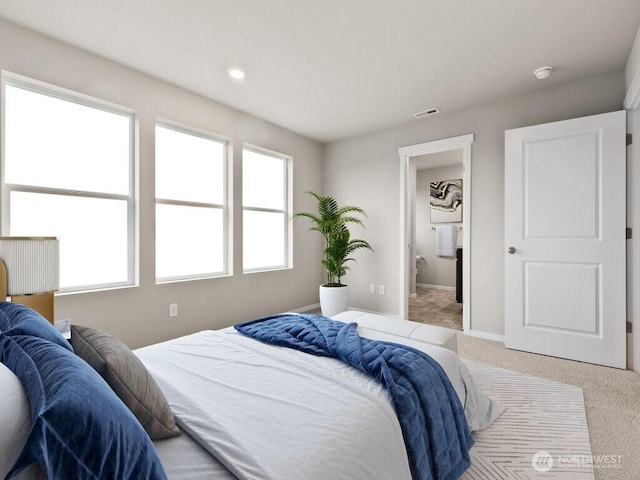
(445, 198)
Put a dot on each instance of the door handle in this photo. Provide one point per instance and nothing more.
(511, 250)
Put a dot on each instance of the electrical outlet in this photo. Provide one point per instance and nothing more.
(173, 310)
(372, 288)
(380, 289)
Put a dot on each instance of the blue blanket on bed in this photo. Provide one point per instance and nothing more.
(435, 430)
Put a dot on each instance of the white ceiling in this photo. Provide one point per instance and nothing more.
(331, 69)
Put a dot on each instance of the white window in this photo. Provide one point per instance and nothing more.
(266, 209)
(191, 207)
(68, 172)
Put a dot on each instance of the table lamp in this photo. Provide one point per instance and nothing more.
(30, 272)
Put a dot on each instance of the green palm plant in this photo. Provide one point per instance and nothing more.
(332, 221)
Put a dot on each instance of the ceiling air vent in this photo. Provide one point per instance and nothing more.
(426, 113)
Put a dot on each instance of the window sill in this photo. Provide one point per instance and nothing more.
(266, 270)
(191, 279)
(95, 290)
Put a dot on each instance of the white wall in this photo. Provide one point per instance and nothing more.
(139, 315)
(364, 171)
(434, 270)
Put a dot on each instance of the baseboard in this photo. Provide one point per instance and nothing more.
(485, 335)
(435, 287)
(308, 308)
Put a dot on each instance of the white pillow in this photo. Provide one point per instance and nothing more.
(15, 419)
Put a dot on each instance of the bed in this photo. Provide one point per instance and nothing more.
(231, 407)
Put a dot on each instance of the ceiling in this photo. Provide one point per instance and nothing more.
(332, 69)
(438, 159)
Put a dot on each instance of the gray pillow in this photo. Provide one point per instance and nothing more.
(127, 377)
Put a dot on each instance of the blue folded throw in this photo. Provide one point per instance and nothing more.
(434, 428)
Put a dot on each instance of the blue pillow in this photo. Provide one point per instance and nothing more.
(80, 428)
(16, 319)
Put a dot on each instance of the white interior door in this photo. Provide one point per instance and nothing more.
(565, 213)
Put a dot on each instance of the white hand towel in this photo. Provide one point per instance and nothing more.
(446, 241)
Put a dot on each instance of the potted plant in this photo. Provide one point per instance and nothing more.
(332, 222)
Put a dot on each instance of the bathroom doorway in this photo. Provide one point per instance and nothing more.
(421, 157)
(435, 295)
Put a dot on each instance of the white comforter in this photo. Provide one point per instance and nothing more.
(268, 412)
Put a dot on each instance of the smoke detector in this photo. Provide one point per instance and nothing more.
(543, 72)
(426, 113)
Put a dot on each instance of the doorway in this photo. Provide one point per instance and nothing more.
(409, 156)
(435, 282)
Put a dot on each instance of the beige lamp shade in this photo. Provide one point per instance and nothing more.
(32, 264)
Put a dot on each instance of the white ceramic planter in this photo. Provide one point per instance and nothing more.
(333, 300)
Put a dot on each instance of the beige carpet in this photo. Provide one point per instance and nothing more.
(611, 397)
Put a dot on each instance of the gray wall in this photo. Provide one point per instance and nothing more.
(440, 271)
(140, 315)
(633, 62)
(365, 171)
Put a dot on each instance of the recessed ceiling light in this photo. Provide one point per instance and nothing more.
(236, 73)
(543, 72)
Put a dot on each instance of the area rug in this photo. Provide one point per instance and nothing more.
(543, 433)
